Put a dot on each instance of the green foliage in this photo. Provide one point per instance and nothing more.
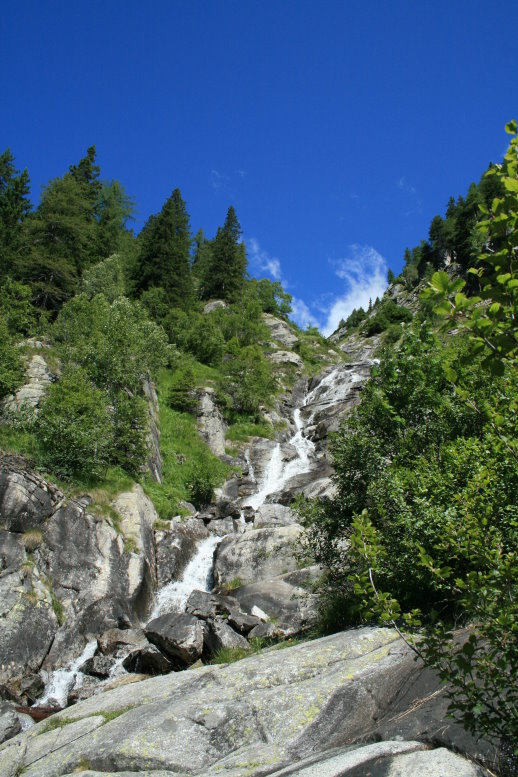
(250, 379)
(201, 485)
(243, 430)
(16, 307)
(164, 258)
(74, 427)
(11, 365)
(181, 394)
(106, 277)
(14, 209)
(223, 277)
(388, 313)
(272, 297)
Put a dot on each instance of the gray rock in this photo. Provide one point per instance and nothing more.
(210, 421)
(287, 600)
(206, 605)
(286, 357)
(385, 759)
(179, 635)
(154, 459)
(280, 330)
(98, 666)
(256, 555)
(38, 378)
(242, 622)
(147, 659)
(26, 500)
(269, 515)
(114, 640)
(10, 723)
(220, 635)
(214, 304)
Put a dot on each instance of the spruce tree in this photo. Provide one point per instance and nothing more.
(14, 208)
(164, 259)
(225, 275)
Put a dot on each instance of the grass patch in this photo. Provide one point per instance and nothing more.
(236, 582)
(32, 539)
(54, 723)
(185, 456)
(130, 545)
(241, 431)
(114, 714)
(59, 611)
(18, 441)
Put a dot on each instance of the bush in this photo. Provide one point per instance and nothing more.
(11, 365)
(74, 427)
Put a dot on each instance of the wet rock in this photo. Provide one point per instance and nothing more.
(98, 666)
(30, 688)
(280, 330)
(220, 635)
(210, 421)
(176, 547)
(179, 635)
(256, 555)
(148, 659)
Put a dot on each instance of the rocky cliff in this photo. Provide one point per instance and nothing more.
(95, 600)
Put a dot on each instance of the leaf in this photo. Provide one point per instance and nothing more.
(450, 373)
(440, 281)
(511, 127)
(511, 184)
(443, 309)
(503, 278)
(495, 307)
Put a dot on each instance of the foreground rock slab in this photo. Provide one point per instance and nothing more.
(263, 714)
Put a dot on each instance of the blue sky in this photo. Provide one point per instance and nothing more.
(336, 129)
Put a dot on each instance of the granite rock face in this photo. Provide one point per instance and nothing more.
(279, 712)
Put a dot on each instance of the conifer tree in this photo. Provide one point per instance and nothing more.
(225, 275)
(164, 259)
(14, 207)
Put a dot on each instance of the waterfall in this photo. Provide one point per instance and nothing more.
(197, 577)
(62, 681)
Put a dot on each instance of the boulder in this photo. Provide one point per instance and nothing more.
(205, 605)
(256, 555)
(10, 723)
(98, 666)
(266, 713)
(214, 304)
(115, 640)
(220, 635)
(286, 600)
(286, 357)
(280, 330)
(271, 515)
(179, 635)
(147, 659)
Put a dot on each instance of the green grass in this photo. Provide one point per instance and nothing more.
(241, 431)
(183, 454)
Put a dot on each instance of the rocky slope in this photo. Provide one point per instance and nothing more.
(93, 601)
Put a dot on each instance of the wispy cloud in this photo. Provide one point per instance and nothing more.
(364, 272)
(417, 204)
(262, 260)
(218, 179)
(403, 184)
(302, 315)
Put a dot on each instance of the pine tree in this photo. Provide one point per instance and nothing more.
(14, 208)
(164, 259)
(225, 275)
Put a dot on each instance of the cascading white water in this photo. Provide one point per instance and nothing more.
(62, 681)
(197, 577)
(278, 472)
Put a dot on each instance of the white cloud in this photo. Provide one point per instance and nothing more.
(302, 315)
(263, 261)
(405, 186)
(364, 272)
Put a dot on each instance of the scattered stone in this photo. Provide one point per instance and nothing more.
(220, 635)
(98, 666)
(179, 635)
(148, 660)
